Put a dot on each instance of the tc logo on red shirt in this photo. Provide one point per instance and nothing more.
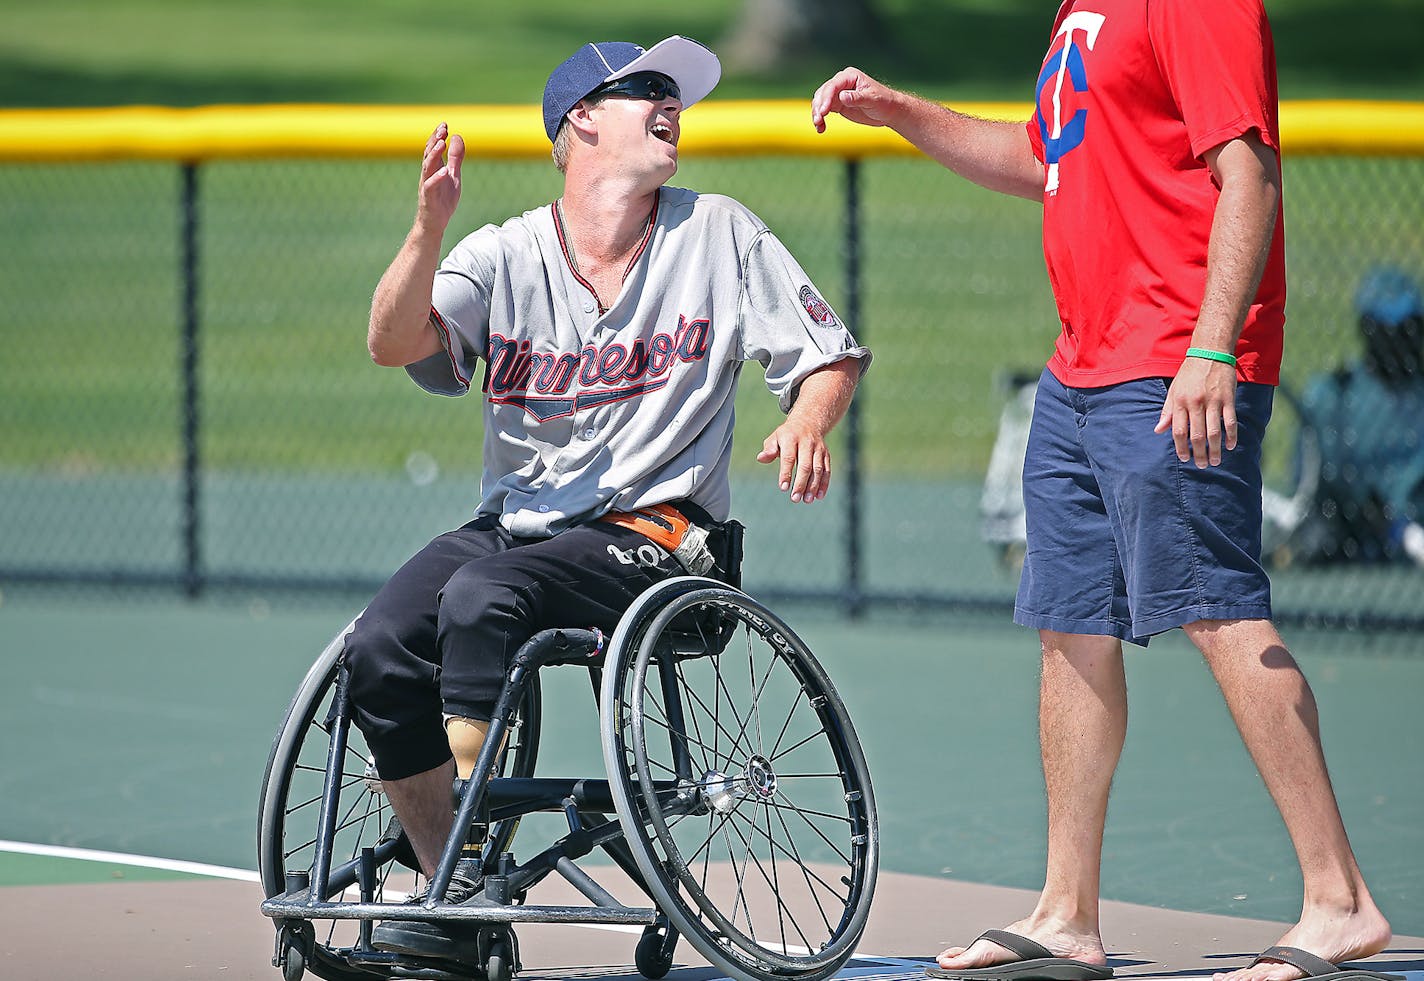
(1065, 60)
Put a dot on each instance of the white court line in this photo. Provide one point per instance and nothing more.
(137, 861)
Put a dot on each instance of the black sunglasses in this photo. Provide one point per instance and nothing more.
(643, 85)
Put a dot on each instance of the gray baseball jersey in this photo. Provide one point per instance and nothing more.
(588, 411)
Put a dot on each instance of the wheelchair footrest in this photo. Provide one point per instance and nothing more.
(299, 907)
(400, 966)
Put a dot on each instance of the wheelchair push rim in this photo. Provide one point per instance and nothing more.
(766, 855)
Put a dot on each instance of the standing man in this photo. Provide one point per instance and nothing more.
(613, 325)
(1154, 152)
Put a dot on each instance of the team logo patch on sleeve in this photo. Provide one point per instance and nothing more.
(819, 310)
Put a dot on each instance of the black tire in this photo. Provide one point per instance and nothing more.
(290, 802)
(766, 858)
(294, 942)
(650, 957)
(501, 958)
(498, 967)
(293, 964)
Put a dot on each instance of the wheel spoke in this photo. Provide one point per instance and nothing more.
(778, 846)
(652, 697)
(805, 872)
(308, 802)
(798, 811)
(787, 752)
(790, 805)
(741, 879)
(352, 752)
(755, 711)
(741, 724)
(669, 770)
(663, 724)
(760, 689)
(719, 728)
(711, 837)
(809, 887)
(706, 859)
(770, 881)
(796, 704)
(776, 891)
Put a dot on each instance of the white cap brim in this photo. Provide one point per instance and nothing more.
(693, 67)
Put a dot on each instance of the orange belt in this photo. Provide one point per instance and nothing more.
(668, 527)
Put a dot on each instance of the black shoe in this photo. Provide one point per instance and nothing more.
(443, 939)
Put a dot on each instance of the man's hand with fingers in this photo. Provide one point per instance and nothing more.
(1200, 411)
(799, 443)
(440, 178)
(805, 470)
(856, 96)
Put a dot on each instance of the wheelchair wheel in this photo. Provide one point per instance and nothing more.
(290, 806)
(739, 781)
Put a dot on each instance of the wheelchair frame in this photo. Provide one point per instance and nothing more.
(677, 630)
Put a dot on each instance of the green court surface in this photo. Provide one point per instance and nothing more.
(143, 726)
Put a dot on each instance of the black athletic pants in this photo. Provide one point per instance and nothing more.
(439, 635)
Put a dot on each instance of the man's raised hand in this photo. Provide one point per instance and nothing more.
(440, 177)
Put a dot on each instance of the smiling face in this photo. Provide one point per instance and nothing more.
(641, 133)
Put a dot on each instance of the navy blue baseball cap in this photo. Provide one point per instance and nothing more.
(693, 67)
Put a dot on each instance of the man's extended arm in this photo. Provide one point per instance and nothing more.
(991, 153)
(1201, 403)
(400, 331)
(800, 442)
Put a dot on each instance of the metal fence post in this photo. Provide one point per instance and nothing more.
(192, 531)
(854, 594)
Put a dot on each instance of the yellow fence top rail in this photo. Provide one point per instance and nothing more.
(728, 128)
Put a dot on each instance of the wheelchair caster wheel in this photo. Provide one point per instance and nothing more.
(501, 954)
(292, 961)
(499, 966)
(653, 955)
(292, 947)
(294, 965)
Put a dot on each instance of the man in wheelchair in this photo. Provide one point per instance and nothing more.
(613, 325)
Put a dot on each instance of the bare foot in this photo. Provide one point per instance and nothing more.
(1061, 941)
(1335, 938)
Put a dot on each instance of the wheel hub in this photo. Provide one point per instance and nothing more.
(720, 791)
(756, 781)
(760, 778)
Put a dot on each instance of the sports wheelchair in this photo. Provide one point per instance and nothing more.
(736, 797)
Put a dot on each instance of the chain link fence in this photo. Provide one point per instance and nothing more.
(186, 400)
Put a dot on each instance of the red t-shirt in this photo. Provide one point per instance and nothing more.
(1131, 95)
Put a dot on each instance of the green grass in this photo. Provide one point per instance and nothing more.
(954, 291)
(193, 52)
(954, 294)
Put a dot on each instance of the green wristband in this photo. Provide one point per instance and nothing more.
(1222, 356)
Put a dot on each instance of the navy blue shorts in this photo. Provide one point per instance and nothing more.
(1124, 539)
